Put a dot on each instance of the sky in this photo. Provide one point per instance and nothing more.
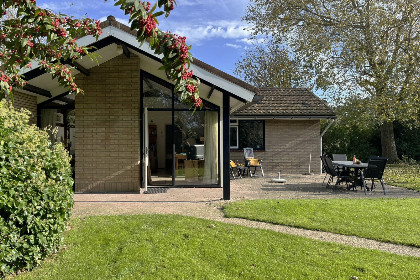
(214, 28)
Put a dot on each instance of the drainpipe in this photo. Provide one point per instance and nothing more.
(322, 134)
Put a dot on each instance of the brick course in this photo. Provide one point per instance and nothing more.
(23, 100)
(288, 145)
(107, 137)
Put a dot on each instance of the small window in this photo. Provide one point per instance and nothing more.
(247, 133)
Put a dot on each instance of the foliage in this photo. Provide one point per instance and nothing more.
(176, 247)
(269, 65)
(353, 132)
(390, 220)
(405, 175)
(31, 35)
(35, 192)
(355, 48)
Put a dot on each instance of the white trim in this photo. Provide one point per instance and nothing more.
(198, 71)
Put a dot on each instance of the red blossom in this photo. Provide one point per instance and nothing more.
(149, 25)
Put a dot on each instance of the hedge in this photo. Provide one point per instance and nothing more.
(35, 192)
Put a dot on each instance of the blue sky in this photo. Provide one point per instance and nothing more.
(213, 27)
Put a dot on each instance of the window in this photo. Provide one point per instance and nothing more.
(234, 137)
(248, 133)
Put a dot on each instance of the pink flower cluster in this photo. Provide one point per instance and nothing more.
(196, 101)
(148, 25)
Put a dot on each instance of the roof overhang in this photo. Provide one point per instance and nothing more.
(115, 41)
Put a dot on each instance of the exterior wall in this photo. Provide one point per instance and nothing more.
(288, 145)
(107, 134)
(23, 100)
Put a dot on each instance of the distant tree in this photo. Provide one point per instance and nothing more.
(366, 48)
(267, 64)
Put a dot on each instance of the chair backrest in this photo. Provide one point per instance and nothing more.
(339, 157)
(330, 168)
(248, 153)
(376, 167)
(232, 164)
(324, 165)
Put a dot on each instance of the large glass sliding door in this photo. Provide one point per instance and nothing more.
(183, 145)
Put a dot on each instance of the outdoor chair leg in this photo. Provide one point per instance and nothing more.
(325, 178)
(262, 171)
(383, 185)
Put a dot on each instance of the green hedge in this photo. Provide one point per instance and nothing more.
(35, 192)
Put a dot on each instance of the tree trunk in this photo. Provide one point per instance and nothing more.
(389, 149)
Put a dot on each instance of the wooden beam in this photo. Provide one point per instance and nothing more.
(58, 106)
(81, 69)
(52, 99)
(210, 92)
(37, 90)
(77, 65)
(67, 100)
(126, 51)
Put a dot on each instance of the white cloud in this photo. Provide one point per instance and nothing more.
(233, 46)
(211, 30)
(249, 41)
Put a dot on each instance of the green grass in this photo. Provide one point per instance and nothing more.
(390, 220)
(176, 247)
(403, 175)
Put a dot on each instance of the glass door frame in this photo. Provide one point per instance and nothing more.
(144, 74)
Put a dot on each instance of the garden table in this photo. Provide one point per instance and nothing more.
(358, 178)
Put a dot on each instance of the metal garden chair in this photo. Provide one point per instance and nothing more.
(252, 162)
(375, 171)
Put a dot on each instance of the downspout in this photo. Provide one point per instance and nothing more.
(322, 134)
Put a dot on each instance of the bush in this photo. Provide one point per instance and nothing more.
(35, 192)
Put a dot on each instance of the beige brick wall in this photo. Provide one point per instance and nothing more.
(107, 134)
(288, 144)
(23, 100)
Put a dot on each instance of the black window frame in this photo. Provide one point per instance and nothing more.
(238, 125)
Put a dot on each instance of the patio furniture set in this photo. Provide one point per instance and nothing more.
(354, 173)
(249, 168)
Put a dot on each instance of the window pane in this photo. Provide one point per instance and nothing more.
(156, 95)
(234, 137)
(251, 134)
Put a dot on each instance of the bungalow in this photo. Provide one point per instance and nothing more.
(129, 131)
(283, 129)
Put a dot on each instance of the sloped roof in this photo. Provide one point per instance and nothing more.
(111, 21)
(288, 102)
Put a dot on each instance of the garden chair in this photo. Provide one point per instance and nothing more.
(236, 170)
(375, 171)
(341, 157)
(252, 162)
(341, 177)
(324, 167)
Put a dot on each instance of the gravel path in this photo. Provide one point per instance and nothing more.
(207, 203)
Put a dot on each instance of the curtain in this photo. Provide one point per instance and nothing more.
(48, 120)
(211, 147)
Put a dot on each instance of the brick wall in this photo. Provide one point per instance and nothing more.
(107, 134)
(23, 100)
(288, 144)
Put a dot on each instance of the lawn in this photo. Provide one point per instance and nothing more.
(390, 220)
(403, 175)
(177, 247)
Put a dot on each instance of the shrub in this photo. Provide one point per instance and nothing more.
(35, 192)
